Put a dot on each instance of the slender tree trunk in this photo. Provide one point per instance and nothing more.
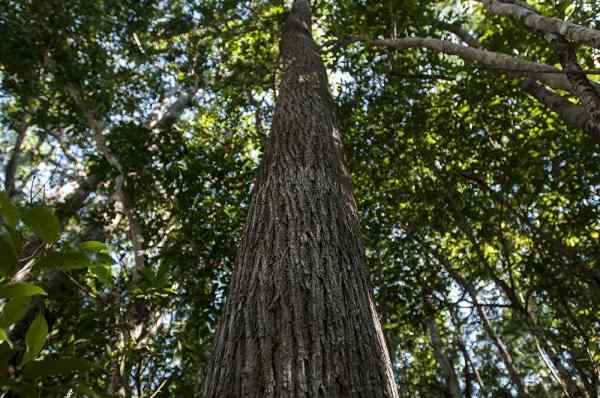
(13, 161)
(443, 360)
(469, 364)
(300, 319)
(489, 328)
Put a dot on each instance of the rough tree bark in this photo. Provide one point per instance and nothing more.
(300, 319)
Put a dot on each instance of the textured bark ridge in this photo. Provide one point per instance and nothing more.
(300, 320)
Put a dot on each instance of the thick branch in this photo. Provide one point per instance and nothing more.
(74, 202)
(540, 23)
(163, 115)
(544, 73)
(583, 87)
(573, 114)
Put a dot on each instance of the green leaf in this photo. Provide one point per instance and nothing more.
(73, 259)
(20, 289)
(96, 246)
(9, 211)
(35, 338)
(14, 310)
(162, 275)
(570, 10)
(8, 254)
(43, 223)
(103, 274)
(53, 367)
(65, 260)
(4, 337)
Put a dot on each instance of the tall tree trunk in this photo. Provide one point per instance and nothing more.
(300, 319)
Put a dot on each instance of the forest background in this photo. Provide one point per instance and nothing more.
(132, 131)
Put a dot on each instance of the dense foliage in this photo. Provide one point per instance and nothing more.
(131, 135)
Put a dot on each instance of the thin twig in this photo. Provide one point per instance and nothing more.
(155, 394)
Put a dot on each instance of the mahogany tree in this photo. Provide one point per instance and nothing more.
(299, 319)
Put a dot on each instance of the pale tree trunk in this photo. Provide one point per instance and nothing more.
(443, 360)
(475, 372)
(13, 161)
(300, 319)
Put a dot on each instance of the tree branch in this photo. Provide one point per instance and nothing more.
(586, 118)
(547, 74)
(163, 115)
(74, 202)
(540, 23)
(583, 87)
(486, 323)
(573, 114)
